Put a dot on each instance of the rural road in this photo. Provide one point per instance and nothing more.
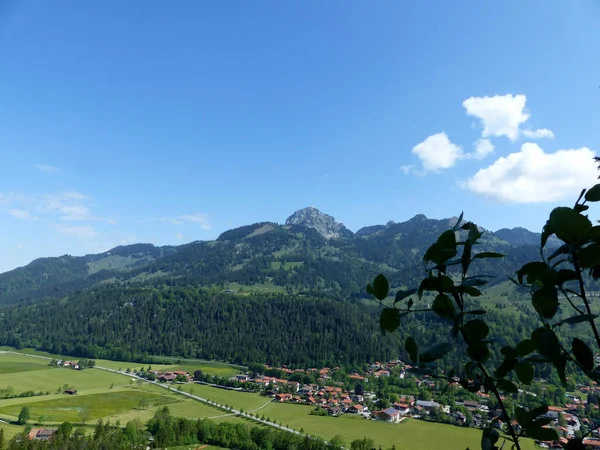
(231, 411)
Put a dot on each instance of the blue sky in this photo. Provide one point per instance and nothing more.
(125, 122)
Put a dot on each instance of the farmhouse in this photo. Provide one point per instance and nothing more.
(428, 405)
(167, 377)
(40, 434)
(335, 411)
(355, 409)
(283, 397)
(388, 415)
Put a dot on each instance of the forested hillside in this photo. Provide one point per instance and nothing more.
(132, 323)
(260, 293)
(294, 258)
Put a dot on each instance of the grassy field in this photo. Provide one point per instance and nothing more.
(410, 435)
(171, 363)
(245, 400)
(10, 431)
(50, 379)
(122, 401)
(276, 265)
(265, 288)
(10, 364)
(222, 370)
(68, 408)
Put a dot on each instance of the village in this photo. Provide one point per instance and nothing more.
(330, 395)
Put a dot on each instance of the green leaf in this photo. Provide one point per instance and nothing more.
(547, 344)
(508, 386)
(524, 371)
(475, 330)
(568, 225)
(442, 250)
(389, 320)
(489, 437)
(562, 250)
(593, 194)
(561, 368)
(381, 286)
(443, 306)
(370, 290)
(475, 281)
(465, 258)
(482, 255)
(469, 290)
(474, 233)
(508, 351)
(523, 417)
(401, 295)
(541, 422)
(581, 208)
(427, 284)
(545, 301)
(411, 347)
(507, 365)
(436, 352)
(535, 270)
(578, 319)
(542, 434)
(575, 444)
(525, 347)
(564, 275)
(583, 354)
(546, 233)
(539, 411)
(590, 256)
(457, 225)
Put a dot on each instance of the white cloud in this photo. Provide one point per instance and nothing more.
(21, 214)
(200, 219)
(539, 133)
(483, 147)
(437, 153)
(67, 206)
(533, 176)
(71, 206)
(179, 236)
(500, 115)
(47, 169)
(408, 168)
(78, 231)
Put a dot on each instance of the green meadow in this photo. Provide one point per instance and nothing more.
(11, 364)
(247, 401)
(410, 435)
(69, 407)
(45, 378)
(110, 396)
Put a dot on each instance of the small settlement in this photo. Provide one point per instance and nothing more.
(330, 398)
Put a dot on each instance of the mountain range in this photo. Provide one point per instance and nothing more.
(311, 253)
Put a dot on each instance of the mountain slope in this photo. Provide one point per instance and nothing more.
(311, 254)
(324, 224)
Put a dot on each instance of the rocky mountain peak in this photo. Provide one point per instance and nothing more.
(324, 224)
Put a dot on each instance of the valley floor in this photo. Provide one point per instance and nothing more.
(106, 395)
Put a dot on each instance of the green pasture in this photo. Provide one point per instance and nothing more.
(85, 381)
(410, 435)
(247, 401)
(12, 364)
(68, 408)
(10, 431)
(221, 370)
